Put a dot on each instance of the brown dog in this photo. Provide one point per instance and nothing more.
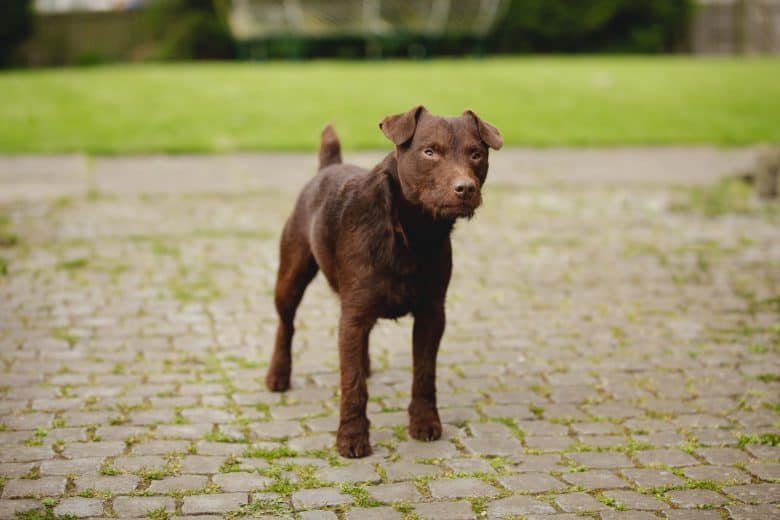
(382, 239)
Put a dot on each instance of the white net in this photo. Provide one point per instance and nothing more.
(252, 19)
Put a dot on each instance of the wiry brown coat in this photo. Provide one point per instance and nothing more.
(382, 240)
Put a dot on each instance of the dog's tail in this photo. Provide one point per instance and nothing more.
(330, 148)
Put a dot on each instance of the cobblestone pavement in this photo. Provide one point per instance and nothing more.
(611, 350)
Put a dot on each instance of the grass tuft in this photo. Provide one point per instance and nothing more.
(359, 493)
(704, 484)
(768, 378)
(730, 195)
(283, 486)
(769, 439)
(42, 514)
(158, 514)
(258, 452)
(73, 264)
(611, 502)
(275, 506)
(8, 239)
(223, 437)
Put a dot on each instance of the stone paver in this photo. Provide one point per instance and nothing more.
(492, 446)
(9, 508)
(380, 513)
(579, 503)
(748, 512)
(133, 507)
(319, 497)
(518, 505)
(460, 510)
(693, 514)
(318, 515)
(80, 507)
(180, 483)
(755, 493)
(461, 487)
(671, 458)
(595, 479)
(114, 484)
(627, 515)
(353, 473)
(426, 450)
(690, 498)
(44, 486)
(562, 516)
(634, 500)
(399, 492)
(217, 503)
(724, 455)
(601, 460)
(652, 478)
(241, 481)
(93, 449)
(531, 483)
(469, 465)
(769, 471)
(71, 467)
(201, 464)
(609, 346)
(409, 470)
(727, 474)
(140, 463)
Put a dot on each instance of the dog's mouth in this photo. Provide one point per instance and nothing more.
(458, 210)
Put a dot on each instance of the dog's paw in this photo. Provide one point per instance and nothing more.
(425, 429)
(424, 423)
(277, 381)
(353, 445)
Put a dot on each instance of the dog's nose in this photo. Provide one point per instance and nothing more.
(464, 188)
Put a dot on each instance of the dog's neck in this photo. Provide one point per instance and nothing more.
(415, 224)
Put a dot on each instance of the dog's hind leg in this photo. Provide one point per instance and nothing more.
(297, 268)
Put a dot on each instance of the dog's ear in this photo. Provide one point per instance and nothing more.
(487, 132)
(399, 128)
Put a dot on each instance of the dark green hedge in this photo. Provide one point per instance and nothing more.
(593, 26)
(529, 26)
(192, 29)
(197, 29)
(16, 24)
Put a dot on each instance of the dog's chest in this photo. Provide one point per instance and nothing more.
(401, 281)
(396, 296)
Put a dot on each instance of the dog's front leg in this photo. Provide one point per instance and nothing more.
(424, 423)
(354, 329)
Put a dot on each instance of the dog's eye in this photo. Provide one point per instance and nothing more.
(476, 156)
(429, 152)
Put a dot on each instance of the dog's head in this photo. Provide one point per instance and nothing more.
(442, 161)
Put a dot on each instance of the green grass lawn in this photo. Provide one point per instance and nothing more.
(282, 106)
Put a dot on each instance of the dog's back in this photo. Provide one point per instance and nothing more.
(317, 220)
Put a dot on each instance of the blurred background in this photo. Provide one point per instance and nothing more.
(76, 32)
(139, 76)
